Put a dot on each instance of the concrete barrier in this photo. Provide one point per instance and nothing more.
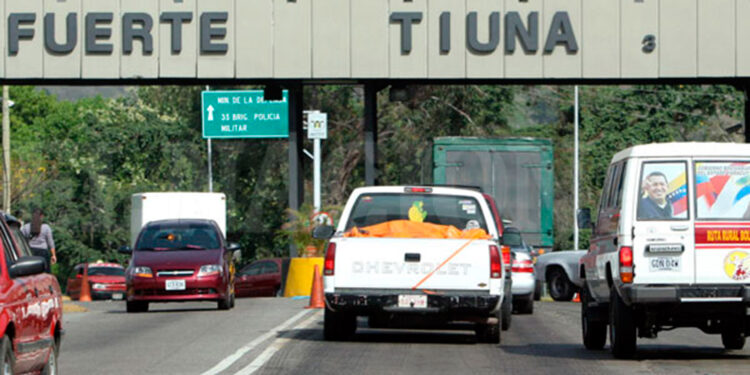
(300, 277)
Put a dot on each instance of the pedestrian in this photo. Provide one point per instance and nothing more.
(40, 238)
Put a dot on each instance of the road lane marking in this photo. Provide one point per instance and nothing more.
(275, 347)
(228, 361)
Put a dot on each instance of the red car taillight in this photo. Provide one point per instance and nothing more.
(330, 262)
(626, 264)
(523, 266)
(496, 266)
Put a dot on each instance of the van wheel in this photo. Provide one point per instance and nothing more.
(8, 359)
(506, 312)
(136, 306)
(338, 326)
(621, 327)
(733, 340)
(50, 368)
(560, 287)
(594, 332)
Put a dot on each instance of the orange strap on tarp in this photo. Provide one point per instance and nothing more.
(412, 229)
(442, 264)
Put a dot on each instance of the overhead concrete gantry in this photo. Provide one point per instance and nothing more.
(374, 43)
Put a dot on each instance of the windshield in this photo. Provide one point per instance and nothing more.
(722, 190)
(175, 236)
(106, 271)
(512, 238)
(460, 212)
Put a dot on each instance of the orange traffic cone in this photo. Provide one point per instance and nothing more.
(316, 294)
(85, 287)
(576, 297)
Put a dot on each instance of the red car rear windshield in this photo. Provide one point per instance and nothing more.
(106, 271)
(180, 236)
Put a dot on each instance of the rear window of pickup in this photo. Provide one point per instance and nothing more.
(460, 212)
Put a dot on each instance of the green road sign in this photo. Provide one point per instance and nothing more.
(244, 114)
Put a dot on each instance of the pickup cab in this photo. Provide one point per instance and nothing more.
(413, 256)
(670, 246)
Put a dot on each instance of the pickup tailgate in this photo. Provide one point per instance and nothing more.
(396, 263)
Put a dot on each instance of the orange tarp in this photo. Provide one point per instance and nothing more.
(412, 229)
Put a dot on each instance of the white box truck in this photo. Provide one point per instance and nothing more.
(148, 207)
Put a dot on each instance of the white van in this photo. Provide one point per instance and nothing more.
(670, 246)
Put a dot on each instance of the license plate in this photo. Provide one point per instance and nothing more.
(175, 285)
(117, 296)
(412, 301)
(664, 264)
(667, 248)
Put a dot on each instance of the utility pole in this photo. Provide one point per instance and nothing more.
(6, 149)
(575, 176)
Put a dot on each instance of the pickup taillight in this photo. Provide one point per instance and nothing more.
(626, 264)
(526, 266)
(496, 266)
(330, 261)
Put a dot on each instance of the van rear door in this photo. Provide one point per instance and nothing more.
(663, 250)
(722, 228)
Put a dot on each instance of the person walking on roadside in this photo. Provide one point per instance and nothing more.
(40, 238)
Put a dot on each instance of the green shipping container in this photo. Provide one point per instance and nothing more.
(517, 172)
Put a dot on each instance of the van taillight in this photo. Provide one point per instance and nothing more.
(496, 267)
(626, 264)
(330, 262)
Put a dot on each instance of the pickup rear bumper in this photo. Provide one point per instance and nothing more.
(367, 304)
(645, 294)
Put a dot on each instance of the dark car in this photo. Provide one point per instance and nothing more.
(180, 260)
(106, 281)
(262, 278)
(31, 324)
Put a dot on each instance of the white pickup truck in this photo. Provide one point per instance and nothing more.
(413, 278)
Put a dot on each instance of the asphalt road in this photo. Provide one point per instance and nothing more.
(196, 339)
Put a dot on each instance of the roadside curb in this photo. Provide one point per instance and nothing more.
(71, 307)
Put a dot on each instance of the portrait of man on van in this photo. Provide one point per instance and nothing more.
(663, 192)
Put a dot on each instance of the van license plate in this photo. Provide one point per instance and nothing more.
(175, 285)
(117, 296)
(412, 301)
(665, 264)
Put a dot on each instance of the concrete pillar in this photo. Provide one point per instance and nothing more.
(296, 176)
(371, 134)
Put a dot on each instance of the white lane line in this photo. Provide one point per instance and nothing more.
(228, 361)
(275, 347)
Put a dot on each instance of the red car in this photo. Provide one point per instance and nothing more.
(180, 260)
(262, 278)
(106, 281)
(30, 306)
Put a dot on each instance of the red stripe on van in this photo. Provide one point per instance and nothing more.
(739, 234)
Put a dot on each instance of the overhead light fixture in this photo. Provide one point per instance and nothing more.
(736, 128)
(272, 93)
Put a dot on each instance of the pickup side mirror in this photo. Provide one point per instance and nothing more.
(323, 232)
(584, 219)
(125, 249)
(27, 266)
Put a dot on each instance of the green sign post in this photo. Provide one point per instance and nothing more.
(244, 114)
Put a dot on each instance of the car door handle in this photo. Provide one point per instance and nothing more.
(680, 228)
(412, 257)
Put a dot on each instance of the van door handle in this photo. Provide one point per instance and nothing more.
(680, 228)
(412, 257)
